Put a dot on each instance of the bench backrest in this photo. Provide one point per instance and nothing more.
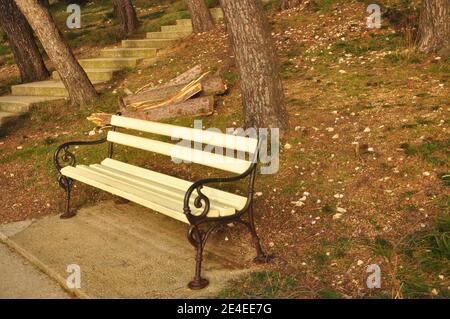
(217, 159)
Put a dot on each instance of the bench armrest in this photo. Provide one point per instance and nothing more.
(67, 156)
(202, 200)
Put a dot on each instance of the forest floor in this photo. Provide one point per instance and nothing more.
(364, 168)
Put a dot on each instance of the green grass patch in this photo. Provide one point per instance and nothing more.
(435, 152)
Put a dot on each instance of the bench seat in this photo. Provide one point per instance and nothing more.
(157, 191)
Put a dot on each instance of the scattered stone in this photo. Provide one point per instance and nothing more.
(434, 292)
(336, 136)
(338, 196)
(330, 129)
(366, 130)
(298, 203)
(287, 146)
(258, 194)
(341, 210)
(360, 262)
(426, 174)
(337, 216)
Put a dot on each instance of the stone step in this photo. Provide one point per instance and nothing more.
(103, 75)
(7, 116)
(42, 88)
(184, 22)
(21, 104)
(129, 53)
(109, 63)
(148, 43)
(168, 35)
(176, 28)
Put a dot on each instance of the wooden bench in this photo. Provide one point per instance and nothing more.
(202, 207)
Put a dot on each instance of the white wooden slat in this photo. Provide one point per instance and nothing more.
(175, 204)
(225, 163)
(130, 194)
(233, 200)
(227, 141)
(165, 190)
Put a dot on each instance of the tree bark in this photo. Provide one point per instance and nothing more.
(127, 15)
(201, 17)
(21, 40)
(261, 86)
(434, 26)
(289, 4)
(72, 74)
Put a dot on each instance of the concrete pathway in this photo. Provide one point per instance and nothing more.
(20, 279)
(127, 251)
(99, 70)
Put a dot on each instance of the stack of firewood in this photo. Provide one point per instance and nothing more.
(191, 93)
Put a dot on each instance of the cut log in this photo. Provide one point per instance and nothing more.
(183, 79)
(185, 94)
(186, 77)
(198, 106)
(212, 85)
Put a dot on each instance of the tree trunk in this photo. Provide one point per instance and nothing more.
(262, 90)
(201, 17)
(22, 43)
(127, 15)
(72, 74)
(289, 4)
(434, 26)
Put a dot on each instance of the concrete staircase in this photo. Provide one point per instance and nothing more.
(99, 70)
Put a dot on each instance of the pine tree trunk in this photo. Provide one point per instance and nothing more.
(201, 17)
(127, 15)
(21, 40)
(289, 4)
(72, 74)
(261, 86)
(434, 26)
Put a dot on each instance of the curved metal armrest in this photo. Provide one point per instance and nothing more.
(202, 200)
(67, 156)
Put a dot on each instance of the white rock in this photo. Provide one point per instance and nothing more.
(366, 130)
(360, 262)
(341, 210)
(258, 193)
(287, 146)
(426, 173)
(306, 193)
(338, 196)
(337, 216)
(335, 136)
(330, 129)
(302, 199)
(434, 292)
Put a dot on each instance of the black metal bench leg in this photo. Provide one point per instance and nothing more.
(261, 257)
(197, 239)
(67, 184)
